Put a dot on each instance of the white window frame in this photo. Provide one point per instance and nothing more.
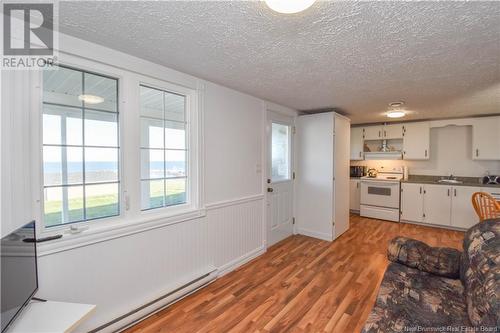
(131, 218)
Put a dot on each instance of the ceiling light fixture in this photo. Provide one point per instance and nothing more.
(396, 114)
(91, 99)
(289, 6)
(396, 110)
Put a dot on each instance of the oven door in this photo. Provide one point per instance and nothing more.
(380, 193)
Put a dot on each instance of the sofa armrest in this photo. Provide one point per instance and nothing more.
(441, 261)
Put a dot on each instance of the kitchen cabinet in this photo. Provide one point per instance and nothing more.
(437, 204)
(412, 202)
(416, 141)
(486, 138)
(372, 132)
(356, 143)
(391, 132)
(462, 212)
(354, 195)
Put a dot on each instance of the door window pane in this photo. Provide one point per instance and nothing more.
(280, 152)
(77, 143)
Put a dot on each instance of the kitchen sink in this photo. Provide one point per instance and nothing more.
(450, 181)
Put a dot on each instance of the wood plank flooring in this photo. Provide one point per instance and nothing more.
(299, 285)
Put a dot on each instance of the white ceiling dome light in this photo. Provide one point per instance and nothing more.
(289, 6)
(396, 110)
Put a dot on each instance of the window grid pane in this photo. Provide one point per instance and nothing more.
(81, 177)
(163, 164)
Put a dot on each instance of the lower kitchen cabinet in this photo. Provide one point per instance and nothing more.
(354, 195)
(463, 214)
(412, 202)
(439, 204)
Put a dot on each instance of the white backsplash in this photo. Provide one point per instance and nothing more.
(450, 153)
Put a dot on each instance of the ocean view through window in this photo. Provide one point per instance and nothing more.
(164, 153)
(81, 150)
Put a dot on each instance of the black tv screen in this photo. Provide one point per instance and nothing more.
(19, 280)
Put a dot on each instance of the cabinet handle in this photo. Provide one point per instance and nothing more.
(448, 192)
(359, 154)
(420, 189)
(426, 153)
(477, 152)
(385, 133)
(379, 134)
(455, 192)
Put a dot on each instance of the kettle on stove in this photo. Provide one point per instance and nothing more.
(372, 173)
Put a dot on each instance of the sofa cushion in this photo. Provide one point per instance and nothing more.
(416, 254)
(480, 273)
(410, 299)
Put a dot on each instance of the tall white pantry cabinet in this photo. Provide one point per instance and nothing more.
(322, 184)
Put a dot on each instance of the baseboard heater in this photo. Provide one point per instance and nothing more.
(133, 317)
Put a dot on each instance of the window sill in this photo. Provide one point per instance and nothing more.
(97, 234)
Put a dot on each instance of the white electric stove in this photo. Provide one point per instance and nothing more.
(380, 195)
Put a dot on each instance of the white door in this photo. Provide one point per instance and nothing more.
(373, 133)
(416, 141)
(437, 204)
(356, 143)
(462, 212)
(354, 195)
(279, 178)
(412, 202)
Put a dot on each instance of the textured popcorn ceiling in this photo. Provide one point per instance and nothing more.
(442, 58)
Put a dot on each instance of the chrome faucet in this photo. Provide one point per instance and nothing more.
(451, 177)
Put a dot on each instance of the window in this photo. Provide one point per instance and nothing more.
(80, 146)
(164, 153)
(280, 152)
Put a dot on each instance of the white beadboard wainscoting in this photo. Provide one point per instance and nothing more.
(236, 232)
(125, 273)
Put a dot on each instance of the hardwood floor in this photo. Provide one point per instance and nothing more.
(299, 285)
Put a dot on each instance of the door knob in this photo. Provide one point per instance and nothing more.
(270, 189)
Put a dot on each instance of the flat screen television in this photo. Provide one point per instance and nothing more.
(19, 279)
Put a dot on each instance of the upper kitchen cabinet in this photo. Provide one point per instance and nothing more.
(373, 132)
(356, 143)
(416, 140)
(383, 132)
(486, 138)
(391, 132)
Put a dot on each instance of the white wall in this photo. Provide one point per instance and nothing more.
(120, 273)
(450, 153)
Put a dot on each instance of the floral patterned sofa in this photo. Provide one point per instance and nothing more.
(428, 289)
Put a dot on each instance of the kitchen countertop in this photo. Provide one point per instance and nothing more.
(467, 181)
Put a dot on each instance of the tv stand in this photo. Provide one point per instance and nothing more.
(49, 316)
